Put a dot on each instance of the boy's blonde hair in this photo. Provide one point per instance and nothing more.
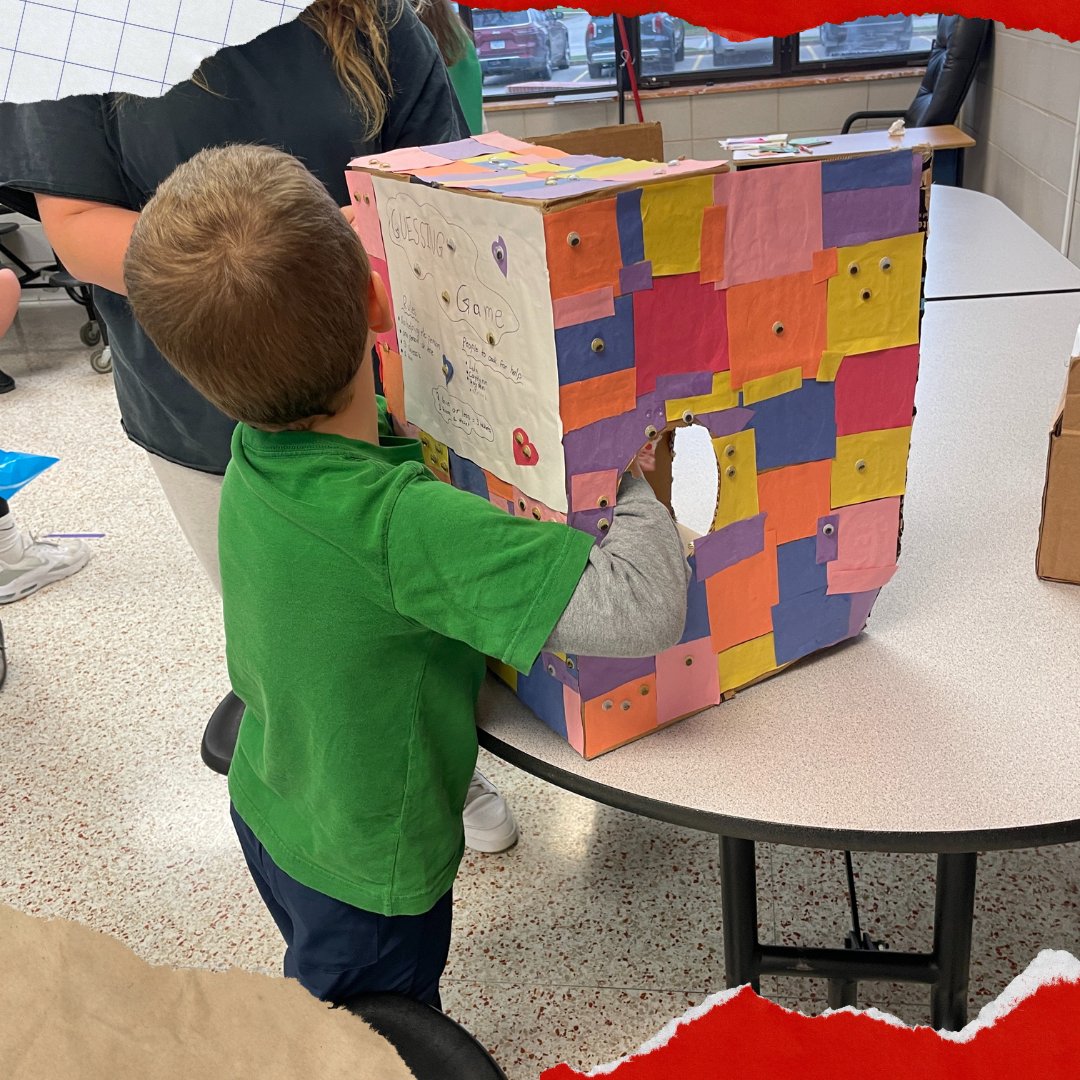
(251, 283)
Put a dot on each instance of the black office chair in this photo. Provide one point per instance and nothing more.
(954, 57)
(432, 1045)
(219, 738)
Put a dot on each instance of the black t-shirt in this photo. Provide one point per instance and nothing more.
(279, 90)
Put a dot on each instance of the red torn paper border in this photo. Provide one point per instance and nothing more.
(741, 20)
(1031, 1030)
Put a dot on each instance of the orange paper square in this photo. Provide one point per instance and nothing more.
(584, 402)
(499, 488)
(593, 262)
(713, 231)
(631, 713)
(824, 264)
(776, 325)
(793, 498)
(741, 598)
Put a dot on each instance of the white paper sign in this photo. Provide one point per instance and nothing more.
(54, 48)
(471, 296)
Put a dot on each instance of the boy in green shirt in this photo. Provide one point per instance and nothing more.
(360, 594)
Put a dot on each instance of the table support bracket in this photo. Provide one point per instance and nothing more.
(945, 969)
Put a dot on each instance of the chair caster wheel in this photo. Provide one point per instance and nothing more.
(90, 334)
(101, 361)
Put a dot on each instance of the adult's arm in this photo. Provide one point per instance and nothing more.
(90, 238)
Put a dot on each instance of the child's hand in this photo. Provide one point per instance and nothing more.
(645, 460)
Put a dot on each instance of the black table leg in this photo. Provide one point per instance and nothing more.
(953, 917)
(738, 892)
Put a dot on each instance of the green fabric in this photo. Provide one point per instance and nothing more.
(361, 596)
(468, 81)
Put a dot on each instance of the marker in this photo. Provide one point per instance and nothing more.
(73, 536)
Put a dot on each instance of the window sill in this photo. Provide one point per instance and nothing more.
(496, 105)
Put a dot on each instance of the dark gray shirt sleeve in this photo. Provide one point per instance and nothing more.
(631, 600)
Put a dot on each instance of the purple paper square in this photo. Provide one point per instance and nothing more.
(729, 545)
(828, 535)
(635, 278)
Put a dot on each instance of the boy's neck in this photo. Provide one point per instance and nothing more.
(360, 418)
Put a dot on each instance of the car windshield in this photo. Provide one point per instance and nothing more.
(486, 17)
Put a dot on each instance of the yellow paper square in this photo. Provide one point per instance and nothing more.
(722, 397)
(874, 297)
(508, 674)
(540, 167)
(436, 456)
(783, 382)
(870, 465)
(829, 366)
(671, 216)
(736, 457)
(615, 169)
(744, 663)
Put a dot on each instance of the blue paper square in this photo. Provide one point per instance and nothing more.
(798, 569)
(874, 171)
(808, 623)
(544, 695)
(631, 233)
(574, 345)
(467, 475)
(697, 608)
(797, 427)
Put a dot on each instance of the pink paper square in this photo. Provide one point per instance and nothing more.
(682, 687)
(588, 490)
(866, 536)
(366, 219)
(575, 729)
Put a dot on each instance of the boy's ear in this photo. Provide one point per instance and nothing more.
(378, 306)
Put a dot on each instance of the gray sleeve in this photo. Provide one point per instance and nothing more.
(631, 600)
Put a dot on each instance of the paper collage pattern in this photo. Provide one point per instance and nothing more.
(777, 308)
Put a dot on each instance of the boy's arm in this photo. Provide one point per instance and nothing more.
(631, 599)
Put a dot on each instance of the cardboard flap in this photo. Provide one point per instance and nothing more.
(639, 142)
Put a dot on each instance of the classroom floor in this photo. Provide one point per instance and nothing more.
(575, 946)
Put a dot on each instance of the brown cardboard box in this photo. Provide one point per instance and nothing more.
(1058, 555)
(640, 142)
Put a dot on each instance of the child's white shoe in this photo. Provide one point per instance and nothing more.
(27, 565)
(489, 824)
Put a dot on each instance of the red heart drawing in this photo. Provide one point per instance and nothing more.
(525, 452)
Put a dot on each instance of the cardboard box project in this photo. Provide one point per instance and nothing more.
(1058, 555)
(554, 311)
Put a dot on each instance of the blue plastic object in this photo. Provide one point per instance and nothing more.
(17, 470)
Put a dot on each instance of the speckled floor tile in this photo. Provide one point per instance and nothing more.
(576, 945)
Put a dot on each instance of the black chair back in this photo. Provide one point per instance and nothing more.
(954, 56)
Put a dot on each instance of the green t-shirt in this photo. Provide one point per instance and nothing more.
(361, 596)
(468, 82)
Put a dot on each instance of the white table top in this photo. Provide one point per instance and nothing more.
(978, 247)
(952, 723)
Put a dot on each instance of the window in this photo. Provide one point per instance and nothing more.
(569, 51)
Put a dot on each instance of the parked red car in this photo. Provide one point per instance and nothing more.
(529, 43)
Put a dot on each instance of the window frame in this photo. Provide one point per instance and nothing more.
(786, 63)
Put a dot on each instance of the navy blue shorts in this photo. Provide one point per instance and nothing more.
(337, 951)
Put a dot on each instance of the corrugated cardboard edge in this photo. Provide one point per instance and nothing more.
(78, 1003)
(1066, 425)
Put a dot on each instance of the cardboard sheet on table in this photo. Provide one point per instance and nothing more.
(679, 323)
(590, 400)
(756, 311)
(796, 427)
(584, 307)
(463, 275)
(876, 390)
(742, 664)
(783, 382)
(719, 398)
(729, 545)
(713, 243)
(736, 457)
(890, 317)
(366, 215)
(773, 223)
(632, 713)
(794, 498)
(798, 570)
(810, 622)
(884, 457)
(687, 680)
(671, 216)
(592, 263)
(742, 597)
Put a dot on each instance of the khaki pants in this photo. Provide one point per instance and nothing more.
(194, 498)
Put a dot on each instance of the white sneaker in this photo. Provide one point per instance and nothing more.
(27, 565)
(489, 825)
